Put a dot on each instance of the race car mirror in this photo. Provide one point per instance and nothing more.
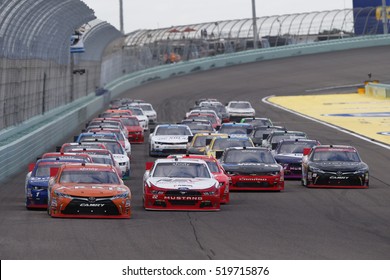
(306, 151)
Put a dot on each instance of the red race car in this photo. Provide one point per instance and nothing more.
(88, 191)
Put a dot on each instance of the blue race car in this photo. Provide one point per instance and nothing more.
(37, 181)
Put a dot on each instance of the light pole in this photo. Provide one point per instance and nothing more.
(121, 16)
(255, 37)
(384, 17)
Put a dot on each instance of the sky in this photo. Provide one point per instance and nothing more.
(154, 14)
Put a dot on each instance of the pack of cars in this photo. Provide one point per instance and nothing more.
(212, 152)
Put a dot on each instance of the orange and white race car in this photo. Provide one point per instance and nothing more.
(88, 190)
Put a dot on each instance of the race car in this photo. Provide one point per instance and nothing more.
(334, 166)
(258, 133)
(217, 145)
(37, 180)
(255, 121)
(180, 184)
(119, 153)
(88, 191)
(239, 109)
(147, 109)
(234, 129)
(140, 115)
(134, 128)
(197, 143)
(198, 125)
(289, 153)
(168, 139)
(252, 168)
(218, 172)
(272, 139)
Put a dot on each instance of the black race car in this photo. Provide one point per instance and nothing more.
(334, 166)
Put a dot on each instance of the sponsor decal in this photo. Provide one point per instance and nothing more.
(252, 179)
(92, 205)
(338, 177)
(385, 133)
(367, 115)
(170, 197)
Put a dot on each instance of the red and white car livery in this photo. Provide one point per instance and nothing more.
(180, 184)
(218, 172)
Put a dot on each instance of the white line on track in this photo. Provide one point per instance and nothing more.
(265, 100)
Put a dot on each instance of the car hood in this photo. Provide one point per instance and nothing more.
(251, 167)
(91, 189)
(170, 138)
(183, 183)
(339, 165)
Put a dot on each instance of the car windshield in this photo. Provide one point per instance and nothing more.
(173, 130)
(199, 127)
(89, 177)
(277, 138)
(335, 155)
(44, 170)
(240, 105)
(258, 122)
(114, 147)
(248, 156)
(233, 129)
(294, 147)
(130, 121)
(181, 170)
(105, 159)
(200, 141)
(97, 136)
(213, 166)
(223, 143)
(146, 107)
(137, 111)
(212, 119)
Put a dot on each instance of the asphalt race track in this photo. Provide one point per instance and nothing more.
(298, 223)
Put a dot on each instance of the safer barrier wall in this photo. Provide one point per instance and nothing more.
(57, 126)
(377, 90)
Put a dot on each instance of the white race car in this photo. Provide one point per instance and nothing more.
(239, 109)
(148, 110)
(168, 139)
